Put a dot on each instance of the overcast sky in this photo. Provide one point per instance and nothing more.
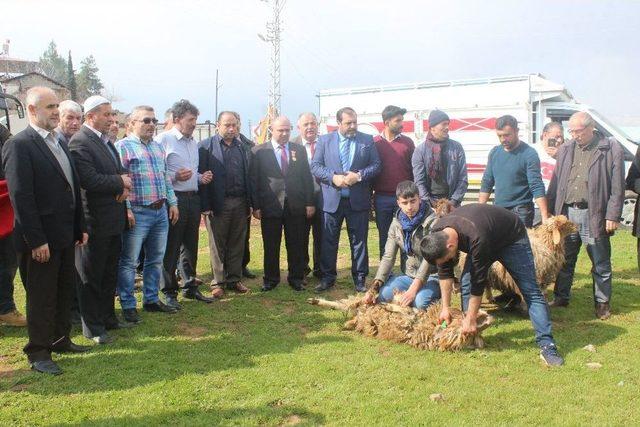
(155, 52)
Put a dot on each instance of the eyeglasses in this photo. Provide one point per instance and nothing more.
(148, 120)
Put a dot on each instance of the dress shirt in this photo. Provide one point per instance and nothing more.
(181, 152)
(148, 171)
(276, 150)
(307, 146)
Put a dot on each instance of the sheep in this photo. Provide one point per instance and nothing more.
(418, 328)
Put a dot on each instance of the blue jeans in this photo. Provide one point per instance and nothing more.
(427, 295)
(525, 212)
(150, 232)
(599, 251)
(385, 207)
(517, 258)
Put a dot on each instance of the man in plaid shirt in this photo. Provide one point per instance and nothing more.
(148, 223)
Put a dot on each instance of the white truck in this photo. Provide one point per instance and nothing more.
(473, 106)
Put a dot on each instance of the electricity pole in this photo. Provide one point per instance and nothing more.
(272, 36)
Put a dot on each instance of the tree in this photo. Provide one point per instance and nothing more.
(88, 81)
(71, 79)
(53, 65)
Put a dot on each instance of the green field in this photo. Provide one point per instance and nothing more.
(271, 359)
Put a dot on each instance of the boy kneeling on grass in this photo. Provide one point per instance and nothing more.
(410, 225)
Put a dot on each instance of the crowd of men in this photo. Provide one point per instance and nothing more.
(91, 210)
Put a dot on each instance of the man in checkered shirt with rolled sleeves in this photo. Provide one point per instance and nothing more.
(148, 222)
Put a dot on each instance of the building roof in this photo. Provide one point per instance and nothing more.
(9, 79)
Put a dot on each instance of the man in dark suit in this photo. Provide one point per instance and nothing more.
(282, 198)
(345, 162)
(104, 188)
(45, 193)
(308, 138)
(226, 201)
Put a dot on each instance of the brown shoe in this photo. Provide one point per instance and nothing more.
(603, 311)
(238, 287)
(559, 303)
(13, 318)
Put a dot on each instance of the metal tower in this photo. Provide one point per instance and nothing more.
(272, 36)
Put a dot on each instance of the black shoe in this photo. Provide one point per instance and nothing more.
(361, 287)
(557, 302)
(603, 311)
(159, 307)
(131, 315)
(172, 301)
(71, 348)
(322, 287)
(246, 273)
(298, 287)
(118, 325)
(102, 339)
(46, 367)
(266, 287)
(550, 356)
(197, 295)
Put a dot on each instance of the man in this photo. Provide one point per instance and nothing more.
(409, 226)
(246, 257)
(70, 122)
(439, 165)
(395, 151)
(588, 186)
(633, 184)
(282, 198)
(168, 120)
(308, 138)
(148, 226)
(181, 152)
(114, 129)
(346, 161)
(226, 202)
(105, 186)
(487, 233)
(9, 315)
(513, 168)
(45, 194)
(552, 138)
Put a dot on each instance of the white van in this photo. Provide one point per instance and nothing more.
(473, 106)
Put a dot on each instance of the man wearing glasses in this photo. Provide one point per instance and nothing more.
(147, 220)
(588, 186)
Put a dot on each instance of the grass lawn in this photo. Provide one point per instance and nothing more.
(272, 359)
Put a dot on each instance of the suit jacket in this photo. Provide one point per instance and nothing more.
(43, 200)
(326, 163)
(100, 181)
(317, 190)
(210, 158)
(271, 187)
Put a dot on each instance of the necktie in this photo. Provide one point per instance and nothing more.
(313, 149)
(344, 155)
(284, 163)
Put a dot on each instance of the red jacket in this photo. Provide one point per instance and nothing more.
(6, 211)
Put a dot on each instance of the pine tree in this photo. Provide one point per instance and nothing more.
(71, 79)
(88, 82)
(52, 64)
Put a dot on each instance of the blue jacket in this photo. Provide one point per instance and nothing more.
(210, 158)
(326, 163)
(457, 178)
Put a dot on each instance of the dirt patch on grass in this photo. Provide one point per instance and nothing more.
(292, 420)
(268, 302)
(191, 331)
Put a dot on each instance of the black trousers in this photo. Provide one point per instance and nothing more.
(314, 226)
(294, 229)
(49, 287)
(246, 257)
(182, 246)
(97, 265)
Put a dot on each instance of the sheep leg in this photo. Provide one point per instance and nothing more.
(335, 305)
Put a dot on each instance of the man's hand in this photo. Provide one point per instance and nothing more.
(206, 177)
(368, 298)
(611, 226)
(257, 214)
(469, 324)
(41, 253)
(122, 196)
(183, 174)
(408, 297)
(351, 178)
(552, 151)
(311, 210)
(126, 181)
(445, 315)
(131, 219)
(339, 181)
(85, 239)
(174, 214)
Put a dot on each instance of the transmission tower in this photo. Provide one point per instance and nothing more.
(272, 36)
